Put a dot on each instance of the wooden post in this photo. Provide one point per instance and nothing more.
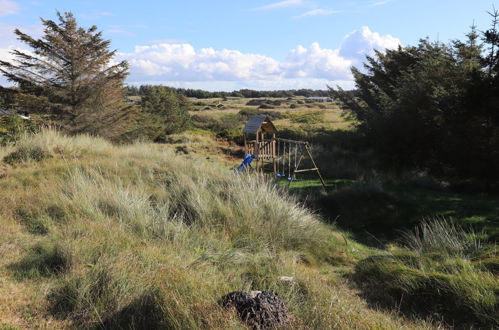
(274, 154)
(245, 145)
(257, 151)
(315, 165)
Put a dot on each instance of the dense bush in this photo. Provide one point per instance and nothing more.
(164, 112)
(433, 106)
(12, 127)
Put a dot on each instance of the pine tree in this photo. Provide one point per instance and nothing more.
(72, 68)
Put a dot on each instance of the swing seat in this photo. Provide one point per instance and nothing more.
(290, 178)
(279, 175)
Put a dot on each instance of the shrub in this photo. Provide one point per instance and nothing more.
(26, 153)
(13, 127)
(266, 106)
(164, 112)
(273, 115)
(308, 118)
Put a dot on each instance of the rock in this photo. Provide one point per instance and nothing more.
(286, 278)
(258, 309)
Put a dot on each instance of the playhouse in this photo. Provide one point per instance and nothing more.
(268, 152)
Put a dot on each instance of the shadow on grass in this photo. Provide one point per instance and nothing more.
(42, 260)
(375, 215)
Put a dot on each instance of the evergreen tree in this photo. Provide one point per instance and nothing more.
(165, 112)
(72, 69)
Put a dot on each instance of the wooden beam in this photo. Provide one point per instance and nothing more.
(313, 162)
(292, 141)
(307, 170)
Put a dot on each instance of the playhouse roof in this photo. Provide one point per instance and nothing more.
(259, 121)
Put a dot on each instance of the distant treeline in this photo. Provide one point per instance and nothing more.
(248, 93)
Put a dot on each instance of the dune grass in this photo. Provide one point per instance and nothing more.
(139, 236)
(436, 276)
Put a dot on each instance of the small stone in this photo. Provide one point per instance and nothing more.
(286, 278)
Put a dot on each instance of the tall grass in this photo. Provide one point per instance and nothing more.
(137, 236)
(437, 276)
(442, 236)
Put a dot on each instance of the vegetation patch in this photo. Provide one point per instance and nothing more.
(432, 282)
(43, 259)
(33, 220)
(12, 127)
(26, 153)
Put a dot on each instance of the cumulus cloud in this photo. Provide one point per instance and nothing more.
(316, 62)
(180, 64)
(359, 43)
(8, 7)
(316, 12)
(281, 4)
(183, 62)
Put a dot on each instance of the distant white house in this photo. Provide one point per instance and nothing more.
(318, 99)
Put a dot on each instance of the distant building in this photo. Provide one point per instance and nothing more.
(318, 99)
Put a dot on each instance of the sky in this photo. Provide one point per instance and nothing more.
(258, 44)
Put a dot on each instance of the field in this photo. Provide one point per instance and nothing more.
(153, 235)
(295, 115)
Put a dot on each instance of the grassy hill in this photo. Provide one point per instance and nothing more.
(96, 235)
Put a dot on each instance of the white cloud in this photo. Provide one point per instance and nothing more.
(180, 64)
(9, 42)
(281, 4)
(316, 12)
(379, 3)
(8, 7)
(359, 43)
(316, 62)
(180, 61)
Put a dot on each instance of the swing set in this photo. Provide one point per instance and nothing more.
(285, 156)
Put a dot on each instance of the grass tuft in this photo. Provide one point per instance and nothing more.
(436, 279)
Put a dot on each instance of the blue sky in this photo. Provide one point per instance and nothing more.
(263, 44)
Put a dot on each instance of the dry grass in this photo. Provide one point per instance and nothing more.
(150, 238)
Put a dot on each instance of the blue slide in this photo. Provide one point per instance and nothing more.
(246, 162)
